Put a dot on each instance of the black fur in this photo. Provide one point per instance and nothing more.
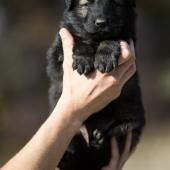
(97, 27)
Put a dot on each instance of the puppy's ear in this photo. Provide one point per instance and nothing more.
(69, 4)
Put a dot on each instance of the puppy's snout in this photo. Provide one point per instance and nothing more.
(100, 22)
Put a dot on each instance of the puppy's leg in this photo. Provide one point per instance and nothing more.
(106, 58)
(83, 58)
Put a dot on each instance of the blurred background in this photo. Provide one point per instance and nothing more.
(27, 28)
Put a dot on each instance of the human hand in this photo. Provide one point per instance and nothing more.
(118, 161)
(85, 95)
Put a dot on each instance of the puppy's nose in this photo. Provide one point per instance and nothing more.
(100, 23)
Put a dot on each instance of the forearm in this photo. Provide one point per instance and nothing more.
(85, 95)
(48, 145)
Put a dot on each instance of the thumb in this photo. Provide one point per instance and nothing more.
(67, 40)
(67, 43)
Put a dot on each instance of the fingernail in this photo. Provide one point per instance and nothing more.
(123, 43)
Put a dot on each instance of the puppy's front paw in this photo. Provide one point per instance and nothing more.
(83, 65)
(107, 55)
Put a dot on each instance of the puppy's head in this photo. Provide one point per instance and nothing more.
(101, 16)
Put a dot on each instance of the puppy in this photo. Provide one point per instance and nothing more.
(97, 27)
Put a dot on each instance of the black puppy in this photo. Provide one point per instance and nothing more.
(97, 27)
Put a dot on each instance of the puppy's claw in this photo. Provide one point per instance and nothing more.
(96, 65)
(101, 141)
(88, 68)
(115, 64)
(80, 69)
(109, 67)
(101, 68)
(74, 66)
(97, 134)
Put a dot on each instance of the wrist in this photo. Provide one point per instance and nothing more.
(69, 116)
(72, 107)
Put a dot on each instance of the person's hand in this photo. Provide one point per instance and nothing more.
(85, 95)
(118, 161)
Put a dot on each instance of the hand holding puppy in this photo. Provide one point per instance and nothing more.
(97, 90)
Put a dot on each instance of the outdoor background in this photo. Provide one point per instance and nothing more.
(27, 28)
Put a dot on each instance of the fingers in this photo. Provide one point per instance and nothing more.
(115, 150)
(117, 162)
(127, 52)
(128, 143)
(113, 164)
(126, 153)
(67, 40)
(128, 74)
(119, 73)
(68, 43)
(114, 153)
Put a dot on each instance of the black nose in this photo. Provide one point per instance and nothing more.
(100, 23)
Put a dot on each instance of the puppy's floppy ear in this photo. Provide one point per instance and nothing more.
(69, 4)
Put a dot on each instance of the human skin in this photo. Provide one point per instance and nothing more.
(117, 161)
(81, 97)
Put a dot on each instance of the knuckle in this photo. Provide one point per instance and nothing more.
(114, 81)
